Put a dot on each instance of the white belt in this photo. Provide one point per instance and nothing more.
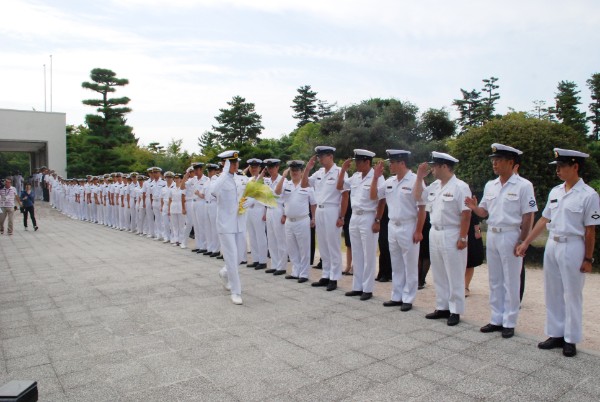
(564, 239)
(361, 212)
(297, 218)
(446, 227)
(496, 229)
(402, 223)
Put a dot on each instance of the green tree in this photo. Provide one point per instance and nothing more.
(324, 109)
(305, 105)
(566, 110)
(304, 140)
(540, 111)
(12, 162)
(594, 107)
(238, 124)
(469, 108)
(488, 102)
(435, 124)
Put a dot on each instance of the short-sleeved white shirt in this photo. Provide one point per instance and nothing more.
(273, 184)
(175, 195)
(506, 204)
(446, 203)
(569, 213)
(360, 190)
(296, 199)
(325, 185)
(398, 195)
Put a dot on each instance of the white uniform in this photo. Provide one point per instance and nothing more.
(329, 200)
(569, 213)
(212, 237)
(199, 212)
(149, 219)
(241, 182)
(257, 232)
(297, 201)
(445, 205)
(189, 206)
(404, 253)
(176, 214)
(276, 230)
(156, 194)
(230, 227)
(364, 241)
(506, 204)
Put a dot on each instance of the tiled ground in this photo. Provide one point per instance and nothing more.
(94, 314)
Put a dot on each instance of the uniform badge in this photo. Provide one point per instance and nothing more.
(532, 203)
(595, 216)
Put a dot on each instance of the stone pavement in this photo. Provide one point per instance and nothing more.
(94, 314)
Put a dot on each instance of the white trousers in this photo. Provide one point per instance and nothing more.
(157, 220)
(364, 251)
(404, 255)
(133, 212)
(212, 241)
(189, 221)
(229, 247)
(256, 229)
(448, 265)
(177, 227)
(276, 239)
(563, 288)
(149, 224)
(141, 219)
(329, 238)
(126, 217)
(297, 235)
(165, 231)
(504, 271)
(199, 224)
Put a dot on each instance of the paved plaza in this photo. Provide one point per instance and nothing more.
(94, 314)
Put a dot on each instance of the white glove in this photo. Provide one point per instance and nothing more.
(249, 202)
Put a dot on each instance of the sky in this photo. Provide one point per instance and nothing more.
(185, 59)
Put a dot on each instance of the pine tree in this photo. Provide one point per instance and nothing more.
(594, 86)
(305, 106)
(324, 109)
(238, 124)
(566, 110)
(488, 102)
(470, 109)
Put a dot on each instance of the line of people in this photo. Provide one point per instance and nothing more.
(167, 208)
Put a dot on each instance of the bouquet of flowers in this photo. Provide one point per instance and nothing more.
(260, 192)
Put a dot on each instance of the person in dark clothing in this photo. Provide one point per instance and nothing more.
(474, 251)
(28, 199)
(385, 262)
(424, 261)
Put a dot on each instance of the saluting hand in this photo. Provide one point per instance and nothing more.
(286, 172)
(423, 170)
(311, 162)
(378, 171)
(346, 164)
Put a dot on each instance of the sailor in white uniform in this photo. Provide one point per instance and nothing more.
(256, 222)
(571, 215)
(365, 221)
(508, 203)
(331, 209)
(450, 217)
(405, 227)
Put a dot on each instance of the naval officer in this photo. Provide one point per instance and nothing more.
(256, 222)
(405, 228)
(571, 215)
(331, 209)
(450, 217)
(365, 221)
(509, 204)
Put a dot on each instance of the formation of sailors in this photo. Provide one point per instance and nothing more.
(167, 206)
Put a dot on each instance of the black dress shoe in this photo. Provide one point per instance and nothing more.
(421, 287)
(253, 265)
(486, 329)
(213, 255)
(195, 250)
(438, 314)
(366, 296)
(302, 280)
(453, 319)
(332, 285)
(292, 277)
(243, 262)
(279, 272)
(569, 349)
(354, 293)
(220, 257)
(268, 271)
(406, 307)
(552, 343)
(207, 253)
(321, 282)
(202, 250)
(508, 332)
(392, 303)
(261, 266)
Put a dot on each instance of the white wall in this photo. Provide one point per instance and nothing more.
(29, 126)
